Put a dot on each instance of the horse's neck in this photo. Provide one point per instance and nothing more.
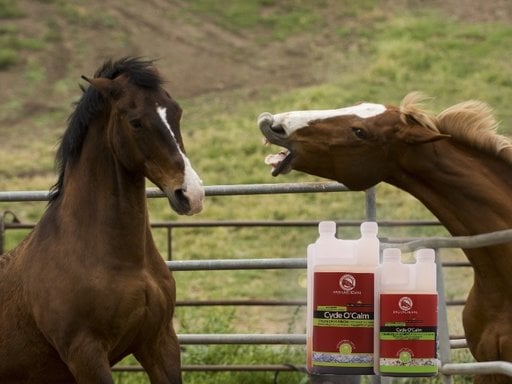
(469, 192)
(99, 198)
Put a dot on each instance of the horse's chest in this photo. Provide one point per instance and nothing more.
(159, 298)
(116, 305)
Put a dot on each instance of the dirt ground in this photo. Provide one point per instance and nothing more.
(197, 56)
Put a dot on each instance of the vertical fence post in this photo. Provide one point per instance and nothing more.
(169, 243)
(442, 316)
(371, 215)
(370, 204)
(2, 233)
(2, 228)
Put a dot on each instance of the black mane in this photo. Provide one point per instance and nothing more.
(91, 103)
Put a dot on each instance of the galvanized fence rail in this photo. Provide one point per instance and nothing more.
(9, 221)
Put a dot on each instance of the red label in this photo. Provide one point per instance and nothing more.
(408, 333)
(343, 319)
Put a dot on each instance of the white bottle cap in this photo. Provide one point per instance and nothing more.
(369, 227)
(425, 255)
(391, 255)
(327, 227)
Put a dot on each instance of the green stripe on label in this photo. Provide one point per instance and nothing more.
(432, 369)
(407, 336)
(331, 308)
(343, 323)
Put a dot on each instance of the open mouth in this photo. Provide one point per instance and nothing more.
(281, 162)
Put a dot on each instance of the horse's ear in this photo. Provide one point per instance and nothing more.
(419, 134)
(107, 87)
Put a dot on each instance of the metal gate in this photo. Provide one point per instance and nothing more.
(447, 342)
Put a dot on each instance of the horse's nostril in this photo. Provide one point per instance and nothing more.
(278, 129)
(179, 201)
(180, 194)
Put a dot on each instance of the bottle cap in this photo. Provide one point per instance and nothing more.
(327, 227)
(369, 227)
(391, 255)
(425, 255)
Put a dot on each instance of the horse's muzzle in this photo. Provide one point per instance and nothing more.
(187, 200)
(275, 133)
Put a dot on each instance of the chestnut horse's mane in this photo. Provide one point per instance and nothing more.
(471, 122)
(139, 72)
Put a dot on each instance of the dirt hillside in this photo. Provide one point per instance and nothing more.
(197, 55)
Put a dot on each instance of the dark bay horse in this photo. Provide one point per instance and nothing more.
(88, 286)
(454, 163)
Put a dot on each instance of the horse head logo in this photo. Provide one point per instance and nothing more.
(347, 282)
(405, 303)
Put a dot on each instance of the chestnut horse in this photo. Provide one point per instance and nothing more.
(88, 286)
(454, 163)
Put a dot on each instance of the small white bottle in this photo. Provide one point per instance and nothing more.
(406, 330)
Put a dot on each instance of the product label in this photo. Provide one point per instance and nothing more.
(408, 333)
(343, 320)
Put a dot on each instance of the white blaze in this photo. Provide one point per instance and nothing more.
(291, 121)
(193, 185)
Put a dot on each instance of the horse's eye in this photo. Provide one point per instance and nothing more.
(360, 133)
(136, 124)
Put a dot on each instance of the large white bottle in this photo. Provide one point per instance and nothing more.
(340, 301)
(406, 315)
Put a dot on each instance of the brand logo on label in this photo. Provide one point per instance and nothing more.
(405, 303)
(347, 282)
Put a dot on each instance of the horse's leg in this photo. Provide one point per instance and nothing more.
(161, 358)
(495, 345)
(505, 354)
(88, 362)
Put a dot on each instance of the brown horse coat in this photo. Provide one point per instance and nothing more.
(454, 163)
(88, 286)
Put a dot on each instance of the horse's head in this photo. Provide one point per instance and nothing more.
(352, 145)
(144, 135)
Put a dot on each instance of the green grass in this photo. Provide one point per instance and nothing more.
(11, 39)
(9, 9)
(376, 57)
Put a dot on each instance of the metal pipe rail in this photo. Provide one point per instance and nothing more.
(464, 242)
(236, 264)
(254, 223)
(481, 368)
(210, 190)
(222, 368)
(241, 264)
(245, 338)
(268, 339)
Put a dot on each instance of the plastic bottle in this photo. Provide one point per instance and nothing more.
(406, 326)
(341, 301)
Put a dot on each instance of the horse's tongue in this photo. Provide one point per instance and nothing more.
(275, 160)
(280, 163)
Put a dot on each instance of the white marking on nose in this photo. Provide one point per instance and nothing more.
(193, 185)
(294, 120)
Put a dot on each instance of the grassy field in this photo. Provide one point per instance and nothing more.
(377, 56)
